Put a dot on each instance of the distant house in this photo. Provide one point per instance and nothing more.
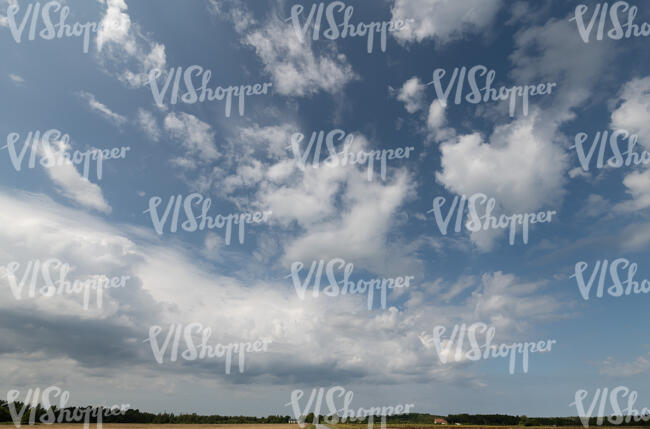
(293, 421)
(440, 422)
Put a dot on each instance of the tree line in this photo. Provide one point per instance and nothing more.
(137, 416)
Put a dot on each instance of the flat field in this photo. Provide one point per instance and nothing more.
(169, 426)
(377, 425)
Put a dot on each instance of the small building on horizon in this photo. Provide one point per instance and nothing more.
(440, 422)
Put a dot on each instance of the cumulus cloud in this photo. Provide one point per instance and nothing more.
(443, 20)
(437, 122)
(436, 118)
(123, 49)
(500, 300)
(111, 339)
(73, 185)
(633, 110)
(632, 116)
(637, 184)
(324, 212)
(360, 233)
(531, 168)
(66, 178)
(528, 152)
(196, 136)
(412, 94)
(551, 52)
(273, 139)
(295, 67)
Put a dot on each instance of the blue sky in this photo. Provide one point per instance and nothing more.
(101, 99)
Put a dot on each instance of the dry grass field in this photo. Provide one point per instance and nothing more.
(377, 425)
(170, 426)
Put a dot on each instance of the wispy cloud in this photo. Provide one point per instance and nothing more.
(102, 109)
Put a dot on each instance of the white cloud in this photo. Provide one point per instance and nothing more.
(633, 110)
(71, 184)
(436, 118)
(16, 78)
(327, 211)
(437, 121)
(123, 49)
(527, 153)
(147, 122)
(462, 284)
(195, 135)
(116, 26)
(104, 111)
(579, 172)
(295, 68)
(503, 301)
(632, 116)
(551, 53)
(639, 366)
(4, 4)
(443, 20)
(245, 176)
(635, 237)
(520, 167)
(360, 232)
(412, 94)
(347, 345)
(638, 186)
(273, 139)
(249, 309)
(212, 245)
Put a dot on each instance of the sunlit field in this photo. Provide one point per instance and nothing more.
(174, 426)
(432, 426)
